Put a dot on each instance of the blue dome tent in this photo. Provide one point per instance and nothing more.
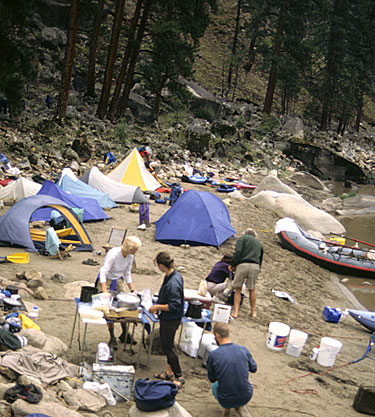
(197, 218)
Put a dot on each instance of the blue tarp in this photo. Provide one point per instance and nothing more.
(91, 208)
(197, 218)
(82, 189)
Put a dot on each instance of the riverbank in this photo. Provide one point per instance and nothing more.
(311, 287)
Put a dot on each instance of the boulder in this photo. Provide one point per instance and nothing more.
(34, 337)
(294, 206)
(33, 274)
(201, 98)
(53, 37)
(309, 180)
(272, 183)
(21, 408)
(198, 135)
(83, 148)
(85, 400)
(175, 411)
(55, 345)
(359, 201)
(293, 126)
(140, 109)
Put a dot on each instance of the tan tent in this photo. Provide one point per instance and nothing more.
(132, 171)
(19, 189)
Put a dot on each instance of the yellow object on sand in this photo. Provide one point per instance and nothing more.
(339, 240)
(27, 323)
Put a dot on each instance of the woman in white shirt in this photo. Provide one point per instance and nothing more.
(116, 270)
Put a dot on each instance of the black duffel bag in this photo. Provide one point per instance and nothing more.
(29, 393)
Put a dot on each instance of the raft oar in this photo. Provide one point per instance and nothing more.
(17, 258)
(354, 240)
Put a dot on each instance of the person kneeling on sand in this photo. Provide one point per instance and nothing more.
(228, 369)
(247, 260)
(216, 279)
(115, 271)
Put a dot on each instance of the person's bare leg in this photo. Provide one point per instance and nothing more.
(236, 302)
(243, 411)
(226, 412)
(252, 298)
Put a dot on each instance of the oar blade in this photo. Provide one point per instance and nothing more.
(18, 258)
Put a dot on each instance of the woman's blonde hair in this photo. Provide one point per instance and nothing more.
(131, 242)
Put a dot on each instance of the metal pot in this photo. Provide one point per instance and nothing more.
(194, 310)
(10, 303)
(87, 293)
(129, 301)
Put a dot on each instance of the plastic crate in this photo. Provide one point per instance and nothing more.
(119, 377)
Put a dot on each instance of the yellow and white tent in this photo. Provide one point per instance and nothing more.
(132, 171)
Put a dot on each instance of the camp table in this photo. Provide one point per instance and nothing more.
(86, 321)
(205, 320)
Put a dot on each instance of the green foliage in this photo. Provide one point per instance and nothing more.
(347, 195)
(173, 119)
(268, 124)
(205, 113)
(16, 65)
(122, 131)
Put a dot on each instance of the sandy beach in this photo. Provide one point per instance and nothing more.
(312, 287)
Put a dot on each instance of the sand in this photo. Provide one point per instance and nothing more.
(331, 394)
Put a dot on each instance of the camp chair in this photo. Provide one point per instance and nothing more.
(116, 238)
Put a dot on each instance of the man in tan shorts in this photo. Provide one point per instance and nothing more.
(247, 261)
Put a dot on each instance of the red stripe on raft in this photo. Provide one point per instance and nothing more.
(325, 259)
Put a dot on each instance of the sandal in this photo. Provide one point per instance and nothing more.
(164, 376)
(179, 382)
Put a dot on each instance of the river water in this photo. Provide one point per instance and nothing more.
(360, 228)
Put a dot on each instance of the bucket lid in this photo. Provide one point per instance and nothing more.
(329, 342)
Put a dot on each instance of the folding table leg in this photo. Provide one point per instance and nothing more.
(74, 326)
(151, 340)
(200, 341)
(83, 341)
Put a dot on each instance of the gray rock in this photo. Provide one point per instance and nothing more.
(272, 183)
(359, 201)
(35, 283)
(58, 277)
(175, 411)
(305, 178)
(40, 294)
(198, 135)
(71, 154)
(21, 408)
(55, 345)
(53, 37)
(331, 204)
(140, 109)
(4, 387)
(293, 126)
(85, 400)
(34, 337)
(33, 275)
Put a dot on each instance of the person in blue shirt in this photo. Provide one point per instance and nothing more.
(216, 279)
(170, 308)
(228, 369)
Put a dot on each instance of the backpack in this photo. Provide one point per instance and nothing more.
(176, 191)
(109, 158)
(30, 393)
(154, 395)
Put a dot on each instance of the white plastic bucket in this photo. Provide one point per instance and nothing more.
(277, 334)
(328, 350)
(296, 342)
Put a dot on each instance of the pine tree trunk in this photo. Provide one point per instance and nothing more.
(234, 47)
(120, 79)
(329, 71)
(250, 63)
(359, 113)
(69, 60)
(158, 98)
(112, 51)
(134, 56)
(90, 91)
(273, 73)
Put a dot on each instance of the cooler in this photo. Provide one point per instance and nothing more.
(119, 377)
(331, 315)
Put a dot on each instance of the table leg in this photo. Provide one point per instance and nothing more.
(151, 340)
(74, 326)
(141, 346)
(200, 341)
(83, 341)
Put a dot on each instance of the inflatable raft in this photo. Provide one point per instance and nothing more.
(366, 318)
(333, 256)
